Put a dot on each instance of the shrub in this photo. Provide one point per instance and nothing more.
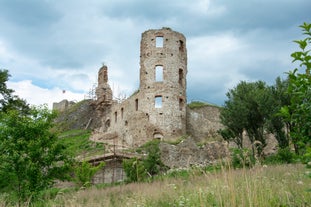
(242, 158)
(84, 173)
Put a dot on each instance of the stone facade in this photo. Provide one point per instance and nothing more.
(158, 108)
(203, 123)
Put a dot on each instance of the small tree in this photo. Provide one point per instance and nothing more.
(84, 172)
(248, 107)
(31, 157)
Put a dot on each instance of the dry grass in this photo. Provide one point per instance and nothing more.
(284, 185)
(261, 186)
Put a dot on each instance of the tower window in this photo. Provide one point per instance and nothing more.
(181, 104)
(159, 41)
(122, 111)
(158, 102)
(159, 73)
(115, 116)
(181, 46)
(136, 104)
(181, 76)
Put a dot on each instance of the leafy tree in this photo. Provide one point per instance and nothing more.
(276, 123)
(31, 157)
(8, 101)
(248, 107)
(134, 169)
(84, 173)
(298, 111)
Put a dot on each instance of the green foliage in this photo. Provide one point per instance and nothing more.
(197, 104)
(298, 111)
(84, 173)
(140, 169)
(306, 158)
(248, 108)
(30, 156)
(77, 143)
(8, 101)
(134, 169)
(242, 158)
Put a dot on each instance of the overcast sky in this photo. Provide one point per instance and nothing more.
(53, 45)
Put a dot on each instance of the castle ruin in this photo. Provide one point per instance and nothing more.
(158, 109)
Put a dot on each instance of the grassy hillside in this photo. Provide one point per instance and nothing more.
(279, 185)
(78, 143)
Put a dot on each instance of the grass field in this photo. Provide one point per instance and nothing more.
(277, 185)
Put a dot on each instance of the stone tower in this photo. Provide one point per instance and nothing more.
(103, 90)
(163, 70)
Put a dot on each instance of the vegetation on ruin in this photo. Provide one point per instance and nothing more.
(77, 143)
(197, 104)
(145, 168)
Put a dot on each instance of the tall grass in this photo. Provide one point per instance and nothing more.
(280, 185)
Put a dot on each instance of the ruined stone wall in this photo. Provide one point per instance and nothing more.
(188, 153)
(203, 123)
(62, 106)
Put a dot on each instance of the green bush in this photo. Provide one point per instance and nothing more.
(242, 158)
(285, 155)
(84, 173)
(140, 169)
(134, 170)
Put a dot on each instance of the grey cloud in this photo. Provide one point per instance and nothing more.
(29, 14)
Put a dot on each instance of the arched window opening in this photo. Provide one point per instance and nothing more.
(159, 73)
(158, 102)
(159, 41)
(107, 123)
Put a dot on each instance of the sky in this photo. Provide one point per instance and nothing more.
(53, 49)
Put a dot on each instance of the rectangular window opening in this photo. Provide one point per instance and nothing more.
(158, 102)
(122, 111)
(181, 76)
(159, 73)
(136, 104)
(181, 104)
(159, 41)
(115, 117)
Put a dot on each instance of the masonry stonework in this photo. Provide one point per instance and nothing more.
(158, 109)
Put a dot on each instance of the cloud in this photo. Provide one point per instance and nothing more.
(37, 96)
(62, 44)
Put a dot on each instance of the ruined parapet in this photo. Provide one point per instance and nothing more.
(103, 90)
(63, 105)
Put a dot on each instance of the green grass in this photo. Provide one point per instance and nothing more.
(199, 104)
(78, 144)
(261, 186)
